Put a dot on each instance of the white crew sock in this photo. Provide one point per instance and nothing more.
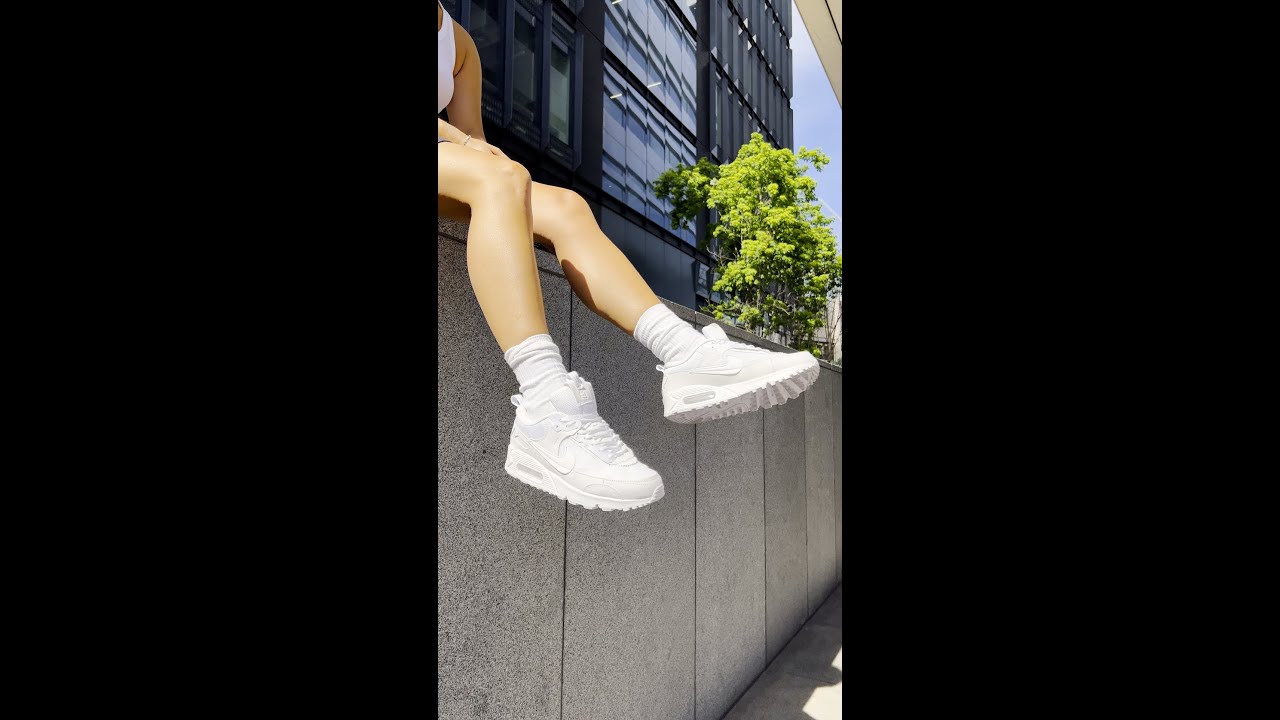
(538, 367)
(666, 335)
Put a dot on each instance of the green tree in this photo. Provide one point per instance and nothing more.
(775, 254)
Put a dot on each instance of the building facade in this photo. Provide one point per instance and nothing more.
(603, 95)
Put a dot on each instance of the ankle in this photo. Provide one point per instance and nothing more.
(667, 336)
(538, 366)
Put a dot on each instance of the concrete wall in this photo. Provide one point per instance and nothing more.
(548, 611)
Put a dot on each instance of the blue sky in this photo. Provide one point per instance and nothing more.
(817, 119)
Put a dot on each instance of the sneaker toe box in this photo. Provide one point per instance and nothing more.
(633, 482)
(793, 361)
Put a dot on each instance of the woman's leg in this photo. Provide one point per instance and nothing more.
(500, 259)
(596, 269)
(705, 375)
(599, 273)
(558, 443)
(603, 277)
(501, 263)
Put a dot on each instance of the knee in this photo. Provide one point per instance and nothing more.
(508, 179)
(566, 206)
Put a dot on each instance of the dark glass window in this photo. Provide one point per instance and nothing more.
(656, 156)
(560, 100)
(738, 43)
(615, 135)
(639, 141)
(612, 172)
(637, 135)
(614, 228)
(657, 28)
(635, 190)
(614, 107)
(717, 92)
(487, 31)
(536, 73)
(637, 27)
(614, 34)
(702, 279)
(525, 110)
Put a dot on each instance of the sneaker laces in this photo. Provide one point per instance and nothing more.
(595, 431)
(598, 433)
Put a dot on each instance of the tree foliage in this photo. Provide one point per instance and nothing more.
(776, 261)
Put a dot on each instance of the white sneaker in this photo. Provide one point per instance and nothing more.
(722, 378)
(561, 446)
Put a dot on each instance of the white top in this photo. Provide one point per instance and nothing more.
(446, 54)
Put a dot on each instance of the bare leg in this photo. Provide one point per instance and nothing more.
(609, 285)
(500, 259)
(596, 269)
(556, 414)
(603, 278)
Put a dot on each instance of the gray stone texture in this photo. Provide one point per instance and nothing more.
(527, 584)
(500, 568)
(731, 562)
(830, 613)
(629, 604)
(820, 488)
(786, 522)
(837, 409)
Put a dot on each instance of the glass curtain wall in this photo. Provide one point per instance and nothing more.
(751, 74)
(640, 141)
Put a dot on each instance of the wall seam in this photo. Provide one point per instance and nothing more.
(564, 604)
(835, 478)
(764, 476)
(564, 568)
(807, 611)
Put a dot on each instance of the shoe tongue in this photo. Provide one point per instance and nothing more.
(715, 332)
(575, 398)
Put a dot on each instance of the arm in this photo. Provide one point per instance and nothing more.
(464, 108)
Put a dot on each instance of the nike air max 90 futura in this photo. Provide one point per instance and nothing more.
(721, 378)
(563, 447)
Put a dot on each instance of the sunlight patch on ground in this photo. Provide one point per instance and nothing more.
(825, 702)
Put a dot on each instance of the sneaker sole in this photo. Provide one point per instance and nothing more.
(766, 392)
(530, 471)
